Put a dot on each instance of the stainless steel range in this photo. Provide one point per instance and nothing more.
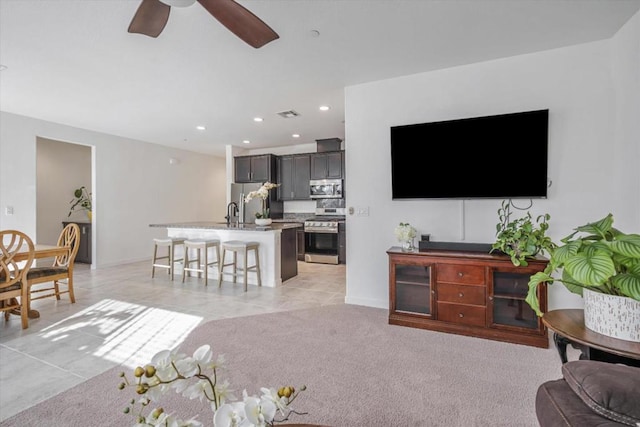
(322, 236)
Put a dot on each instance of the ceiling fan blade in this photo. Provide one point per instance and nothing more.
(150, 18)
(240, 22)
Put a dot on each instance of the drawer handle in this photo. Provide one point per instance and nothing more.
(460, 294)
(460, 314)
(460, 274)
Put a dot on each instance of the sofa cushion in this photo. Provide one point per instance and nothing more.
(558, 406)
(609, 389)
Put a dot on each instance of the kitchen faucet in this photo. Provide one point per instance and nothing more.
(233, 206)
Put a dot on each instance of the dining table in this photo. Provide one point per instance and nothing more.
(40, 251)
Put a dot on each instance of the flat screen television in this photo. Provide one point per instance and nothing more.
(492, 157)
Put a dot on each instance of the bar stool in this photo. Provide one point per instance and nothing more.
(237, 246)
(170, 243)
(202, 254)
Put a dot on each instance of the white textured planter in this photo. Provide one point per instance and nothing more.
(261, 222)
(612, 315)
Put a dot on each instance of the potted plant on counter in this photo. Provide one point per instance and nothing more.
(262, 217)
(602, 264)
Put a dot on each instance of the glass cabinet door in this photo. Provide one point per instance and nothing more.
(509, 305)
(413, 288)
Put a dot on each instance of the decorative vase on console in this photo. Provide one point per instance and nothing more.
(405, 233)
(262, 217)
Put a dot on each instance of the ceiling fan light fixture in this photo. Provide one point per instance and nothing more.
(178, 3)
(152, 16)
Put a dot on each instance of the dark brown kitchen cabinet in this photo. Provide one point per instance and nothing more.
(293, 176)
(300, 238)
(288, 255)
(84, 249)
(260, 168)
(468, 293)
(342, 243)
(328, 165)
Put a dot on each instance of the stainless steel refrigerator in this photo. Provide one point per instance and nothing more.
(240, 191)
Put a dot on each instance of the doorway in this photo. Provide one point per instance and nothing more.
(61, 168)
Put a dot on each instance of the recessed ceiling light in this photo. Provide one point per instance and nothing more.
(324, 108)
(201, 128)
(296, 135)
(246, 141)
(258, 119)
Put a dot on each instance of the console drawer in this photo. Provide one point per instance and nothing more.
(461, 294)
(461, 313)
(462, 274)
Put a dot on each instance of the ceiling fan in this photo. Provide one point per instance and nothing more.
(152, 16)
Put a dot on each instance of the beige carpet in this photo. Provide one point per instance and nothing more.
(359, 371)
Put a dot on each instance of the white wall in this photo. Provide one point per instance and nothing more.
(134, 186)
(591, 91)
(626, 71)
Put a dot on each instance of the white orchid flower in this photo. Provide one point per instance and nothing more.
(155, 393)
(189, 366)
(198, 390)
(194, 377)
(163, 360)
(191, 422)
(220, 362)
(259, 411)
(224, 393)
(230, 415)
(272, 395)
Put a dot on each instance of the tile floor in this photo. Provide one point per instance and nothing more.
(122, 316)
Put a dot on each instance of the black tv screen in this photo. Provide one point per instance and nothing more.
(491, 157)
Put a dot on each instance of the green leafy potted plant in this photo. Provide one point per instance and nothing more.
(596, 259)
(81, 200)
(521, 238)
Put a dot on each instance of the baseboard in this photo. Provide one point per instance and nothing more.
(367, 302)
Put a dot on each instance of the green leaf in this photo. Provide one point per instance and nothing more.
(562, 253)
(591, 269)
(532, 295)
(628, 284)
(628, 245)
(600, 227)
(571, 284)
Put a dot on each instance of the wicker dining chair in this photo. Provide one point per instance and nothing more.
(62, 268)
(14, 290)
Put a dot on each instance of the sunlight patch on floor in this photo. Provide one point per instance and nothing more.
(131, 333)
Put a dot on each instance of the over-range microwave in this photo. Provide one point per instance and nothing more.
(325, 188)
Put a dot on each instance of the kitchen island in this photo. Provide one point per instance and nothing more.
(278, 250)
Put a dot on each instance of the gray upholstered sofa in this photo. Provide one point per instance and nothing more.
(591, 393)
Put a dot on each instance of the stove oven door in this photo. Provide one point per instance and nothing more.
(321, 247)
